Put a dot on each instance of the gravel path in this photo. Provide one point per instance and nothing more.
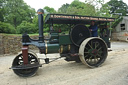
(113, 72)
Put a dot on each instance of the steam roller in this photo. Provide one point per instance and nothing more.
(77, 45)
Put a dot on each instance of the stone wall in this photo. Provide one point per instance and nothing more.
(121, 36)
(11, 44)
(1, 45)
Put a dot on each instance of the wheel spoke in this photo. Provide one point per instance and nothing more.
(85, 56)
(91, 57)
(91, 43)
(95, 59)
(90, 61)
(86, 48)
(99, 55)
(86, 59)
(100, 48)
(90, 46)
(100, 52)
(30, 56)
(86, 52)
(96, 45)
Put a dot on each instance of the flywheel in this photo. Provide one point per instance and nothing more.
(79, 33)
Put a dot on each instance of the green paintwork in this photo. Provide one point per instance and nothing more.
(64, 40)
(53, 48)
(56, 48)
(54, 36)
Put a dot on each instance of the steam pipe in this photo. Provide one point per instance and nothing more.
(40, 22)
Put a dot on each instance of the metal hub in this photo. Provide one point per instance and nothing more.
(93, 52)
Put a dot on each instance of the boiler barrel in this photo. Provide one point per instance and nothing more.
(51, 48)
(56, 48)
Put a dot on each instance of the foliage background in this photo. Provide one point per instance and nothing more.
(17, 17)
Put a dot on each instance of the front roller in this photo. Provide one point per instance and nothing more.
(93, 52)
(25, 70)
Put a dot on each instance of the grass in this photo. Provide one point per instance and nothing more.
(36, 34)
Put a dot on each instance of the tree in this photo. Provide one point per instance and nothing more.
(2, 11)
(26, 27)
(105, 10)
(118, 6)
(63, 8)
(35, 22)
(1, 15)
(17, 11)
(49, 10)
(81, 8)
(6, 28)
(96, 3)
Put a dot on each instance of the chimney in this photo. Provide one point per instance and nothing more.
(40, 22)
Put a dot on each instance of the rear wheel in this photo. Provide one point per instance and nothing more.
(18, 61)
(93, 51)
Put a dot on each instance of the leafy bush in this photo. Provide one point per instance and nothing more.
(45, 30)
(27, 27)
(6, 28)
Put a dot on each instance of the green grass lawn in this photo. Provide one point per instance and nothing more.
(45, 34)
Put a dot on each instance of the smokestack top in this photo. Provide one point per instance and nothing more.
(40, 11)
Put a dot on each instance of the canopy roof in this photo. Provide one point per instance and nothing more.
(74, 19)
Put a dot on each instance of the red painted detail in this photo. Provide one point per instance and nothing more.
(59, 30)
(94, 52)
(25, 54)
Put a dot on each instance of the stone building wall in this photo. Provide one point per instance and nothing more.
(121, 36)
(11, 44)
